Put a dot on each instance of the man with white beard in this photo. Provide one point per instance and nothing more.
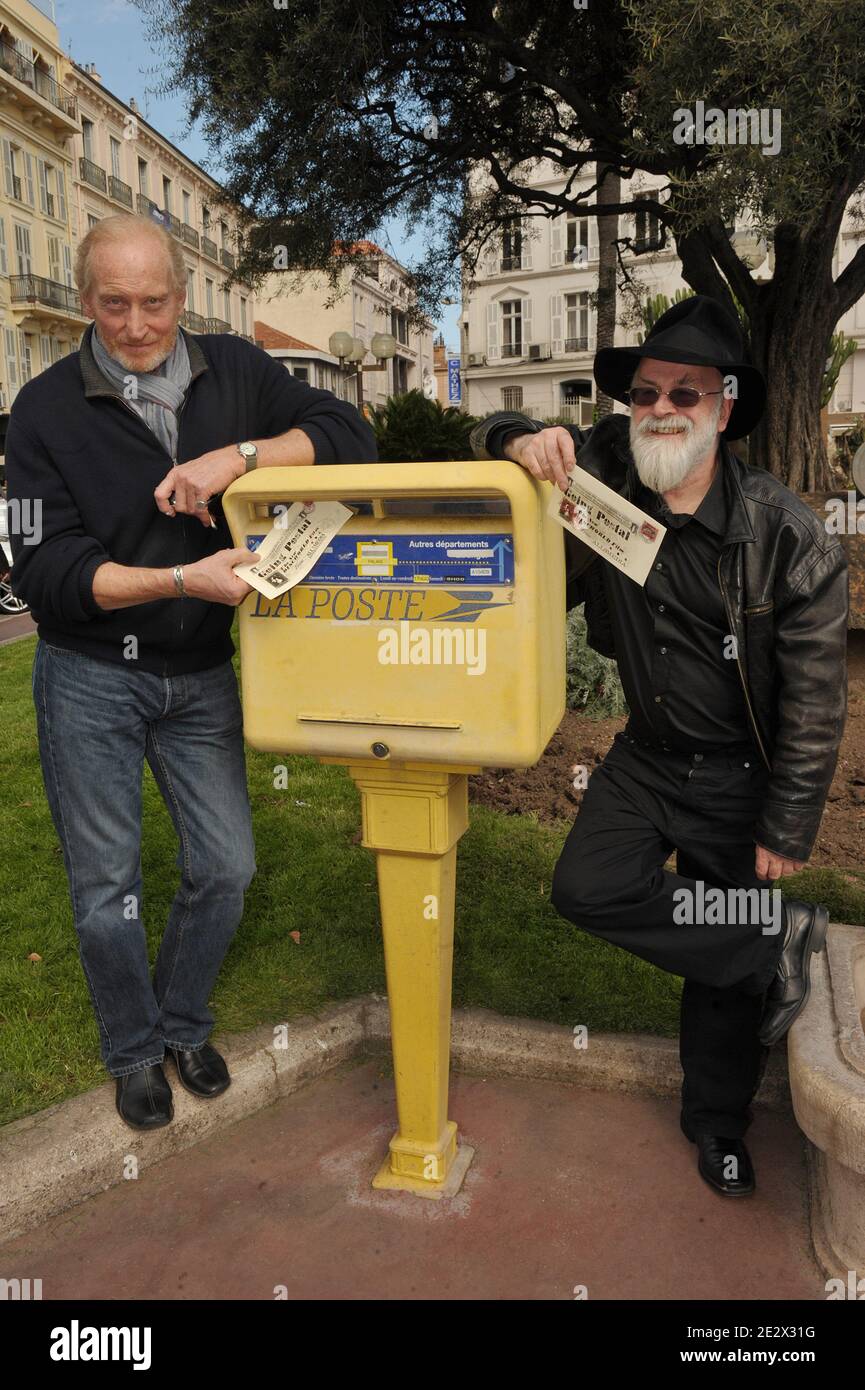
(732, 658)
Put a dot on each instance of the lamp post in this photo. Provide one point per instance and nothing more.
(349, 349)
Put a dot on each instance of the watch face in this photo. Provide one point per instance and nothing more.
(248, 450)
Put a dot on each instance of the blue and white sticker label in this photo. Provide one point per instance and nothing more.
(424, 559)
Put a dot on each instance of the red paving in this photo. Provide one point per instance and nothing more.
(568, 1187)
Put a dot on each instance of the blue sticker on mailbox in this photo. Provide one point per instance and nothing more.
(402, 559)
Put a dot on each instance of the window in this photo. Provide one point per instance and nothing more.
(67, 265)
(190, 290)
(512, 328)
(223, 234)
(577, 322)
(116, 158)
(12, 374)
(55, 262)
(142, 178)
(512, 245)
(60, 181)
(4, 260)
(23, 250)
(243, 321)
(186, 197)
(302, 373)
(577, 240)
(208, 296)
(226, 305)
(166, 193)
(399, 326)
(92, 219)
(25, 354)
(87, 134)
(649, 233)
(512, 398)
(47, 200)
(205, 219)
(400, 375)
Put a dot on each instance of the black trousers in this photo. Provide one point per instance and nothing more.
(641, 804)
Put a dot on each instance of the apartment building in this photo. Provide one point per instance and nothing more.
(529, 328)
(314, 365)
(372, 299)
(41, 314)
(122, 164)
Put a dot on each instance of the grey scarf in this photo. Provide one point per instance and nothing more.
(156, 396)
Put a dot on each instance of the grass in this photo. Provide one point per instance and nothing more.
(513, 953)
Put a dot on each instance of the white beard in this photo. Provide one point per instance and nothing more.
(665, 459)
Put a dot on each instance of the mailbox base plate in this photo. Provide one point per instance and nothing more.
(398, 1182)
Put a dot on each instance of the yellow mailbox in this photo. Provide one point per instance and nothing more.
(426, 642)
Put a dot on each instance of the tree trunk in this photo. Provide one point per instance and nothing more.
(790, 345)
(609, 191)
(789, 339)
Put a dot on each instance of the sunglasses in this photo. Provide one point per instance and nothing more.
(684, 397)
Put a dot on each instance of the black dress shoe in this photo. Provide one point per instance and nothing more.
(201, 1070)
(715, 1164)
(788, 992)
(143, 1098)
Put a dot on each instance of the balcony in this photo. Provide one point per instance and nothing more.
(189, 235)
(577, 255)
(49, 204)
(119, 191)
(217, 326)
(195, 323)
(92, 174)
(42, 294)
(512, 350)
(146, 206)
(511, 263)
(227, 259)
(16, 188)
(172, 223)
(576, 345)
(32, 85)
(210, 248)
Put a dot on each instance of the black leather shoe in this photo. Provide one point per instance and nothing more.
(787, 995)
(715, 1165)
(201, 1071)
(143, 1098)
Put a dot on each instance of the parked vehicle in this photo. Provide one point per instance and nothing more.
(8, 602)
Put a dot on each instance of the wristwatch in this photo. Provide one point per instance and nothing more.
(249, 454)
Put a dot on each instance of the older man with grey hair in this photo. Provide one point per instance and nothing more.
(126, 445)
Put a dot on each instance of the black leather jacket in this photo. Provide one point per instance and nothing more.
(783, 580)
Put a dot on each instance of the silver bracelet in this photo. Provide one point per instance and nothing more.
(178, 581)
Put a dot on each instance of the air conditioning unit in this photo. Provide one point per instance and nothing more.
(475, 359)
(534, 351)
(845, 404)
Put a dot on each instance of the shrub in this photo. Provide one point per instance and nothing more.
(409, 428)
(593, 685)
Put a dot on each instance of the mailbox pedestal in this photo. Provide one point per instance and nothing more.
(412, 819)
(368, 663)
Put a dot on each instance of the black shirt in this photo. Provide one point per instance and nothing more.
(671, 635)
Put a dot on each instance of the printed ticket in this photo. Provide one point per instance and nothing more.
(288, 553)
(608, 523)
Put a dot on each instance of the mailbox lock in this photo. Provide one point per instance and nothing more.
(380, 750)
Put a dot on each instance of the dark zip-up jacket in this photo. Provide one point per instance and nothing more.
(783, 581)
(85, 458)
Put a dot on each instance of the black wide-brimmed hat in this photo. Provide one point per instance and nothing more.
(698, 332)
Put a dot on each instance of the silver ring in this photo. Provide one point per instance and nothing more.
(200, 504)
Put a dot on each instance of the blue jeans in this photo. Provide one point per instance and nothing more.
(97, 722)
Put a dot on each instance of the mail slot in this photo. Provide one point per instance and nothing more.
(430, 630)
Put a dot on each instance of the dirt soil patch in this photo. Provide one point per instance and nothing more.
(547, 788)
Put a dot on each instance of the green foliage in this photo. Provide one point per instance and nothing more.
(409, 428)
(593, 685)
(846, 446)
(842, 348)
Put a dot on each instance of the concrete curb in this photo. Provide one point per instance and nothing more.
(58, 1157)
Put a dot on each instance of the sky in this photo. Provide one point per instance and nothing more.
(111, 34)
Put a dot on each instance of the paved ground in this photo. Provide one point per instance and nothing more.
(14, 627)
(568, 1187)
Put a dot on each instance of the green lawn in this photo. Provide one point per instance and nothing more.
(513, 953)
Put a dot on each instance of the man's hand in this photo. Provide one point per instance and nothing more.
(770, 865)
(198, 480)
(214, 579)
(549, 454)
